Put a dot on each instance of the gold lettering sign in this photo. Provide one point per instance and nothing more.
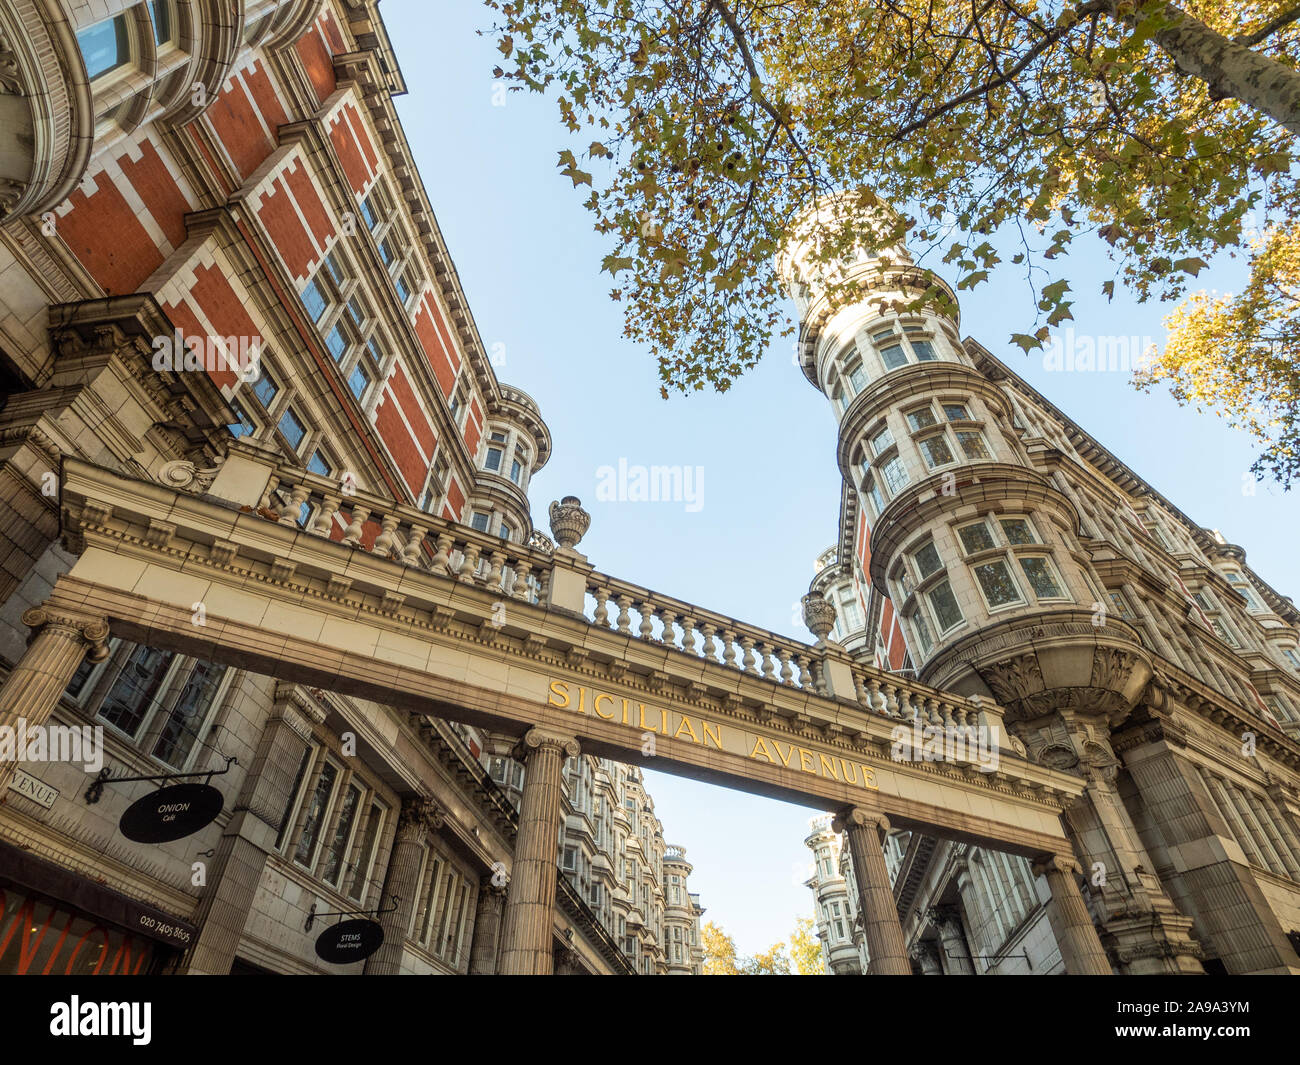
(693, 728)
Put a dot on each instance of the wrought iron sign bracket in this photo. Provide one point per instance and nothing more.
(95, 790)
(312, 914)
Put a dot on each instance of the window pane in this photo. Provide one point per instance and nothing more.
(919, 419)
(403, 293)
(105, 46)
(975, 537)
(924, 350)
(881, 440)
(337, 343)
(857, 378)
(873, 493)
(314, 300)
(493, 458)
(361, 858)
(996, 583)
(479, 522)
(1018, 531)
(946, 611)
(342, 830)
(515, 470)
(181, 731)
(136, 687)
(317, 464)
(973, 446)
(359, 380)
(292, 428)
(927, 560)
(936, 451)
(369, 212)
(893, 356)
(316, 807)
(1039, 573)
(895, 474)
(955, 412)
(265, 388)
(243, 425)
(161, 10)
(922, 629)
(293, 794)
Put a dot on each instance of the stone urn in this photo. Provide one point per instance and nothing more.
(818, 615)
(569, 522)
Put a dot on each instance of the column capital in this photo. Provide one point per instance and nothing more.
(856, 817)
(93, 631)
(419, 815)
(943, 915)
(488, 886)
(1056, 863)
(537, 739)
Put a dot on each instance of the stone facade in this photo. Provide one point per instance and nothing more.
(990, 546)
(222, 255)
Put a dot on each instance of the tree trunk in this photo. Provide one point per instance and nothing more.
(1227, 67)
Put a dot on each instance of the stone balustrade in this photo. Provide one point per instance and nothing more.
(325, 507)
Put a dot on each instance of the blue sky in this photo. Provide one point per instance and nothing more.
(528, 260)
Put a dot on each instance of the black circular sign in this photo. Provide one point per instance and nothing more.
(349, 941)
(171, 813)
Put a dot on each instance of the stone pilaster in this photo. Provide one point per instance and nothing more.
(1081, 949)
(419, 818)
(58, 643)
(954, 954)
(526, 932)
(487, 928)
(1221, 892)
(886, 946)
(235, 871)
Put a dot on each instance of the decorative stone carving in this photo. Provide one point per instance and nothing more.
(569, 522)
(93, 631)
(818, 615)
(186, 475)
(420, 815)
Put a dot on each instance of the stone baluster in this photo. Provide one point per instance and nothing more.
(324, 523)
(805, 675)
(414, 548)
(523, 570)
(787, 671)
(764, 663)
(891, 700)
(495, 574)
(688, 634)
(647, 626)
(819, 678)
(729, 648)
(600, 617)
(623, 623)
(875, 701)
(352, 534)
(300, 494)
(544, 587)
(469, 563)
(668, 619)
(747, 662)
(386, 541)
(906, 711)
(710, 647)
(441, 564)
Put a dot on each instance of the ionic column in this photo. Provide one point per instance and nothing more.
(487, 928)
(419, 817)
(526, 928)
(955, 956)
(886, 946)
(1081, 949)
(55, 649)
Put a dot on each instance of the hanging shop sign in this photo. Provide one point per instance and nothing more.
(171, 813)
(349, 941)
